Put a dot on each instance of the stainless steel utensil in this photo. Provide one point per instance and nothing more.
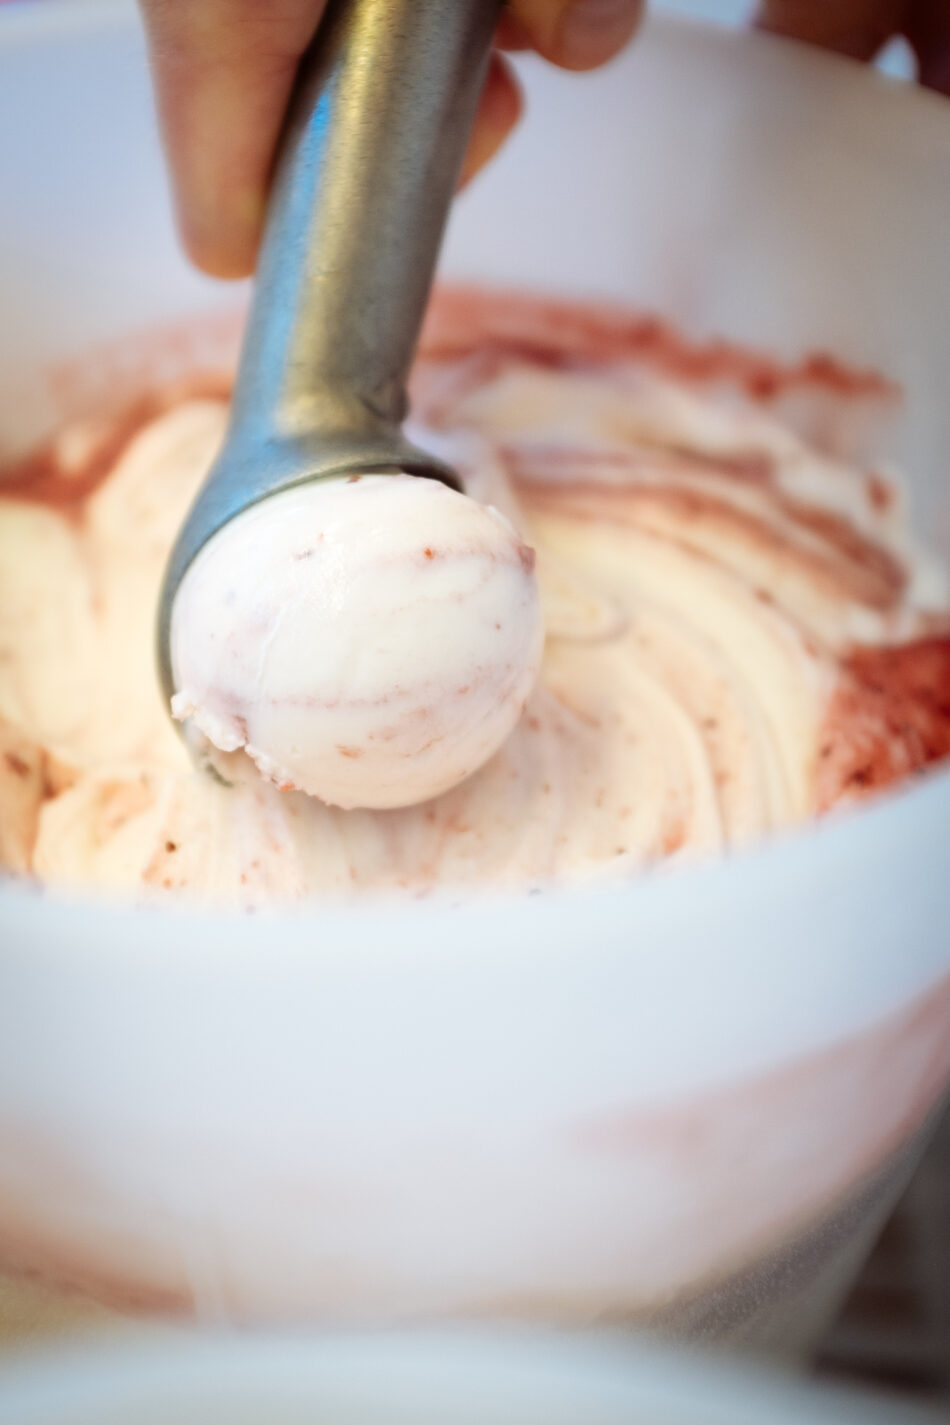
(369, 160)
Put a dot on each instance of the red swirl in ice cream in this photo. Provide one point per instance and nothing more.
(370, 641)
(740, 633)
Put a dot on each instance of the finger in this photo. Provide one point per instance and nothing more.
(577, 34)
(223, 72)
(510, 35)
(858, 28)
(499, 109)
(928, 30)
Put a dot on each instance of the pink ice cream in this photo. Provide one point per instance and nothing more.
(371, 642)
(740, 632)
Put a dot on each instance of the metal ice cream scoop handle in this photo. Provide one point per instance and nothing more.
(369, 160)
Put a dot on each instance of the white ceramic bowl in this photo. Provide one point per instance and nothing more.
(688, 1101)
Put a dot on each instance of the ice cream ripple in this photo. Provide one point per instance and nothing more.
(740, 633)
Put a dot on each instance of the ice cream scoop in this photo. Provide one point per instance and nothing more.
(369, 160)
(347, 654)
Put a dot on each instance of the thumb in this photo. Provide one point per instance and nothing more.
(576, 34)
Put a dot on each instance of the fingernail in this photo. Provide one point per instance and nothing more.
(592, 31)
(221, 230)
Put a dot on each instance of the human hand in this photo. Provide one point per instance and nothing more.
(223, 72)
(224, 68)
(861, 28)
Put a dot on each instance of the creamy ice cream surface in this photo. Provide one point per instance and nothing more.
(739, 632)
(369, 641)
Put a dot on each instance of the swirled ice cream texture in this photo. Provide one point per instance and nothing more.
(740, 633)
(369, 641)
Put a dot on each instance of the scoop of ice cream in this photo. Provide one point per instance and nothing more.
(371, 642)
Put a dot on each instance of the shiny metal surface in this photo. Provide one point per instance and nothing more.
(369, 160)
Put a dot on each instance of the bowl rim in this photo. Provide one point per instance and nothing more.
(25, 22)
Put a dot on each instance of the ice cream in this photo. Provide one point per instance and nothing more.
(740, 633)
(369, 641)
